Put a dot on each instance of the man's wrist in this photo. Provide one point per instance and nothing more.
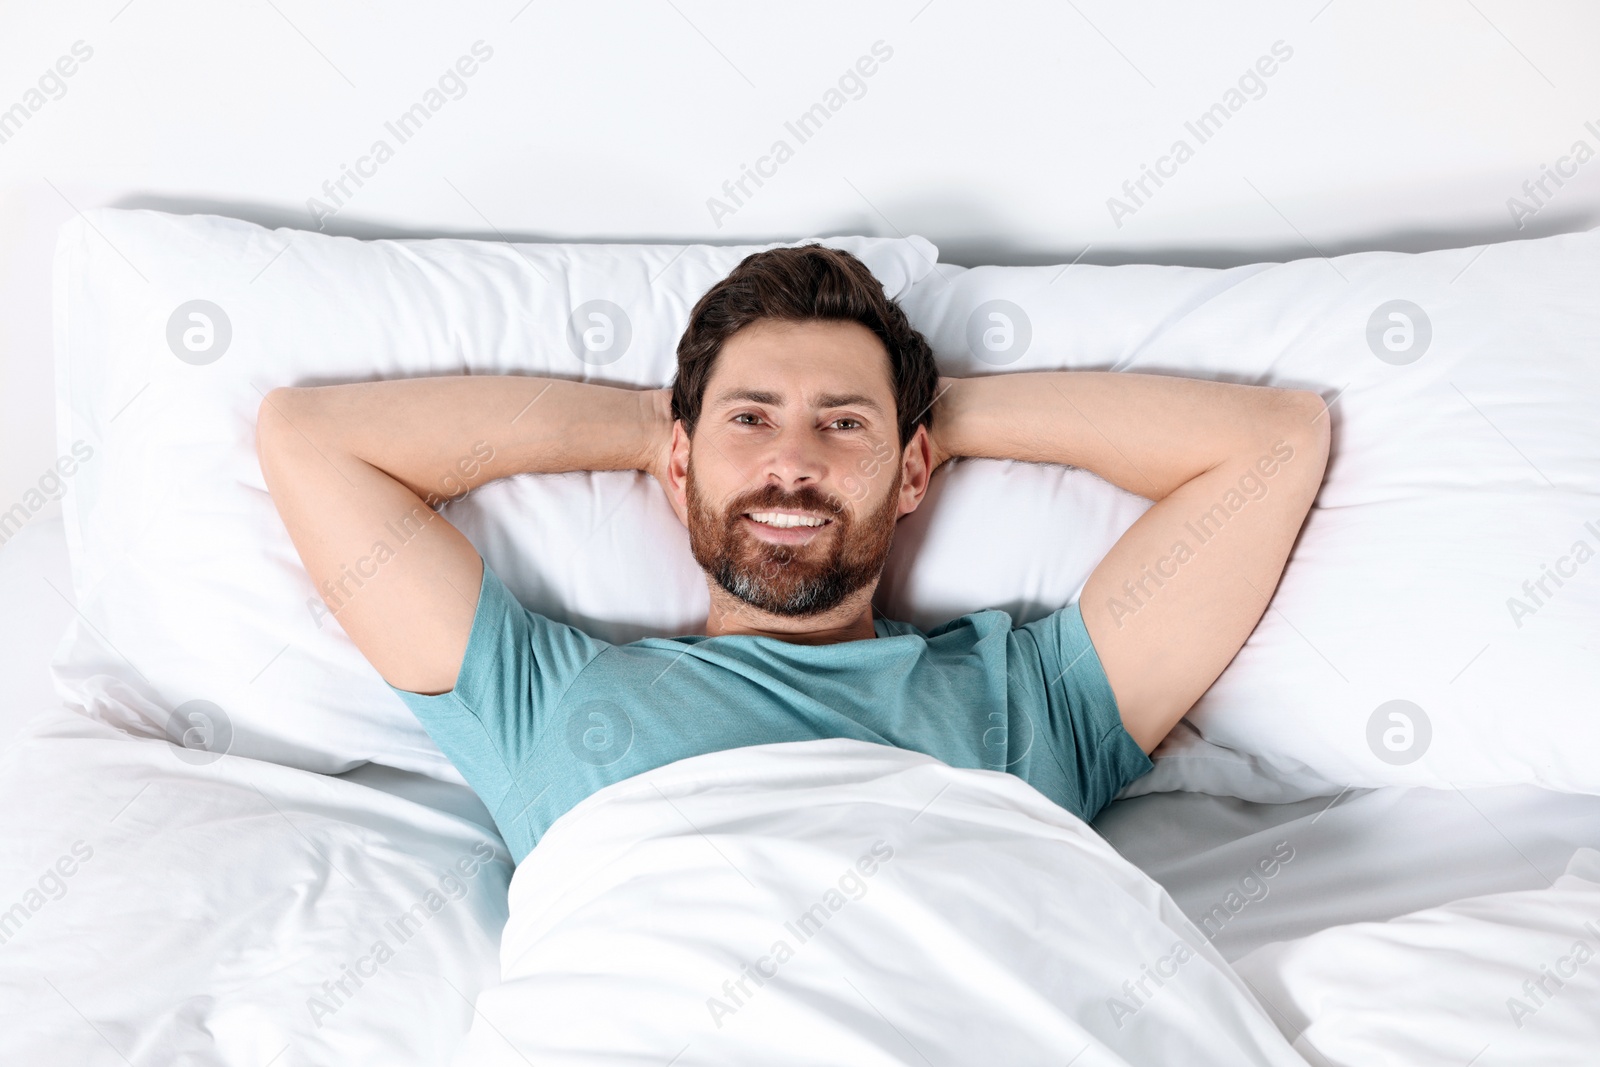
(946, 429)
(655, 429)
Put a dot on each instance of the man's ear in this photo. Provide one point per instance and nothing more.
(677, 486)
(916, 469)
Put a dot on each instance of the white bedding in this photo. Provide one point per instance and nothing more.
(843, 902)
(1504, 980)
(223, 887)
(235, 912)
(1365, 856)
(154, 910)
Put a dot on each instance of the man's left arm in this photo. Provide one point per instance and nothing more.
(1232, 470)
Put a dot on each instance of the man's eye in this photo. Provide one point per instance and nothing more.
(746, 414)
(846, 419)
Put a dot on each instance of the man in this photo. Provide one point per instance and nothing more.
(806, 419)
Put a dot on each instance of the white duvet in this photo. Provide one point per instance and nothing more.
(838, 902)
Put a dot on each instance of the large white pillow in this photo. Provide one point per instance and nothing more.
(188, 586)
(1403, 645)
(1454, 476)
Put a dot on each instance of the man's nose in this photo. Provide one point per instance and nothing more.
(796, 457)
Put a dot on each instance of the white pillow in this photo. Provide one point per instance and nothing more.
(1494, 981)
(1461, 468)
(1435, 511)
(189, 587)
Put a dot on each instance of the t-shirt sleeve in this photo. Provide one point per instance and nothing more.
(1084, 721)
(516, 668)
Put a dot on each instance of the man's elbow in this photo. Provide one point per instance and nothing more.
(276, 426)
(1302, 437)
(1303, 415)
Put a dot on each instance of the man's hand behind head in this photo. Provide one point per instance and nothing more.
(655, 407)
(938, 427)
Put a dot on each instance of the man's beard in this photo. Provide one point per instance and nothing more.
(791, 580)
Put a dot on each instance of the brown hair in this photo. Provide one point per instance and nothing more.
(802, 284)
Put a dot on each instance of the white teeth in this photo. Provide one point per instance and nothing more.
(768, 518)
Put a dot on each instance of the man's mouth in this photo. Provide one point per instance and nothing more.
(786, 527)
(787, 520)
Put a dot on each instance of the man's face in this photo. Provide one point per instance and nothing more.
(797, 420)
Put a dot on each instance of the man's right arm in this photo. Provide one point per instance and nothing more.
(355, 471)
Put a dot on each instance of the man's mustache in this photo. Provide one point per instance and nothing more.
(814, 501)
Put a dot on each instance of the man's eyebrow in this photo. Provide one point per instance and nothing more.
(845, 400)
(826, 400)
(753, 396)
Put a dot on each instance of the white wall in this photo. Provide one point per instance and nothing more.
(997, 131)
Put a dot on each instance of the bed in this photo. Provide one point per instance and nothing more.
(153, 952)
(296, 898)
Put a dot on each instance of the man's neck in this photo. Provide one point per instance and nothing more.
(850, 621)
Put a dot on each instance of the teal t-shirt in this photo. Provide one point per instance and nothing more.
(543, 715)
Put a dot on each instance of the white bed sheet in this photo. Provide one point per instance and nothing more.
(231, 913)
(1366, 855)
